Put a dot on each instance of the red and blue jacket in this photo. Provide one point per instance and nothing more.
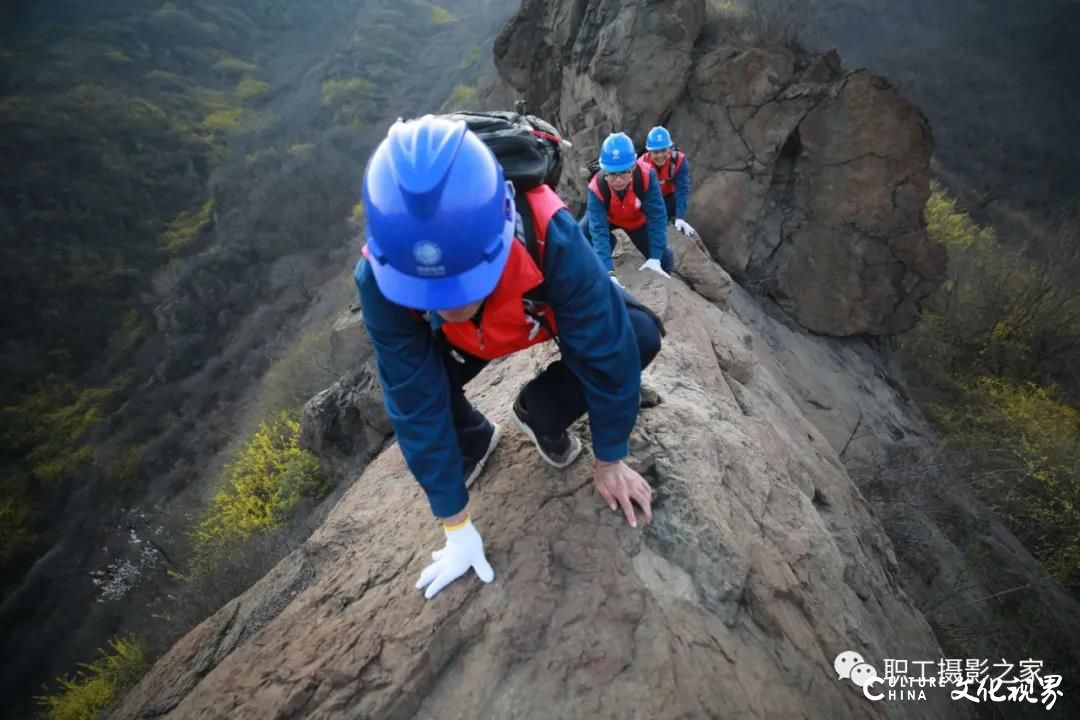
(628, 212)
(594, 333)
(674, 177)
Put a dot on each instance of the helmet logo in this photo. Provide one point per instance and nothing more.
(615, 153)
(428, 255)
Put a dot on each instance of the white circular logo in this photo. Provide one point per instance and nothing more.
(862, 674)
(845, 661)
(427, 253)
(615, 153)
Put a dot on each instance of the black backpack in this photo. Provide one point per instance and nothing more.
(530, 152)
(528, 148)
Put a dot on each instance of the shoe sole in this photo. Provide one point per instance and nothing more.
(575, 444)
(487, 453)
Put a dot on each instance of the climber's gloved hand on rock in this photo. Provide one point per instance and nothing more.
(654, 265)
(464, 549)
(614, 279)
(684, 227)
(620, 486)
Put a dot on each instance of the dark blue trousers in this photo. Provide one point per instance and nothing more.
(639, 237)
(554, 397)
(669, 203)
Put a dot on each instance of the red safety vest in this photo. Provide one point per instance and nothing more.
(625, 212)
(666, 175)
(505, 327)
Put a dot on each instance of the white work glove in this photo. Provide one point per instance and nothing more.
(684, 227)
(615, 279)
(464, 549)
(654, 265)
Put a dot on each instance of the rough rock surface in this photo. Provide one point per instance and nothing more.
(809, 181)
(762, 563)
(345, 425)
(350, 348)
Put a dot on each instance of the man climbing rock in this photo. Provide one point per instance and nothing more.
(626, 194)
(673, 171)
(443, 238)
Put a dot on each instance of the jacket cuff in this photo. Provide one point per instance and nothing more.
(450, 501)
(611, 453)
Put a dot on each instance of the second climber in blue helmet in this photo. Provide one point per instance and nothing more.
(626, 194)
(673, 171)
(444, 286)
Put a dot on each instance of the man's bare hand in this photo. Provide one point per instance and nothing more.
(619, 484)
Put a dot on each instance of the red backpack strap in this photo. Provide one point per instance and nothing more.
(641, 179)
(541, 204)
(600, 188)
(676, 162)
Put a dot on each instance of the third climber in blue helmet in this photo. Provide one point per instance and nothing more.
(445, 284)
(673, 170)
(626, 194)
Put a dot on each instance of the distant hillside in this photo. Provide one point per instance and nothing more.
(999, 80)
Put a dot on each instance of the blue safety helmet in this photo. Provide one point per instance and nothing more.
(617, 153)
(658, 139)
(440, 216)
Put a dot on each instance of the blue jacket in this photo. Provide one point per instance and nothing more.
(598, 345)
(682, 189)
(655, 221)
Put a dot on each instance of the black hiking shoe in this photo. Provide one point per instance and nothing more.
(471, 469)
(557, 451)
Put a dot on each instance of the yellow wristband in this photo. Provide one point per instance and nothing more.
(457, 526)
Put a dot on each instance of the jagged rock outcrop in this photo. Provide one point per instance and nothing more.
(809, 182)
(763, 562)
(345, 425)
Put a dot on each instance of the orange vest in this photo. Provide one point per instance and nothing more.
(666, 175)
(504, 326)
(625, 212)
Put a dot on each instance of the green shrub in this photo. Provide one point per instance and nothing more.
(222, 120)
(461, 96)
(122, 467)
(339, 91)
(1022, 444)
(17, 535)
(352, 99)
(49, 425)
(471, 58)
(986, 355)
(96, 685)
(442, 16)
(115, 55)
(952, 227)
(186, 227)
(234, 66)
(258, 490)
(249, 89)
(1005, 309)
